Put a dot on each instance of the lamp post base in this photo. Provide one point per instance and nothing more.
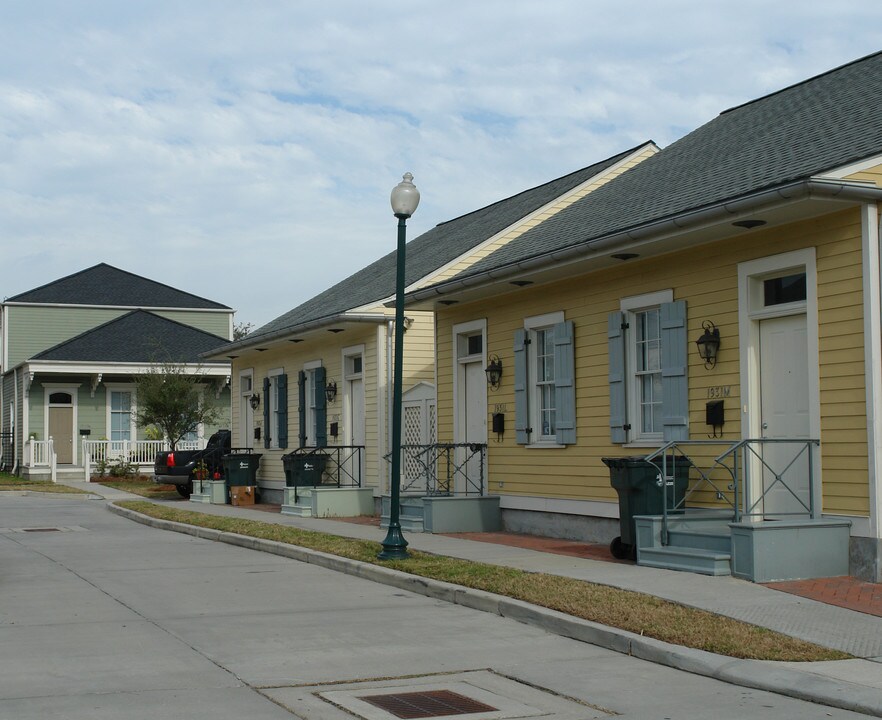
(394, 544)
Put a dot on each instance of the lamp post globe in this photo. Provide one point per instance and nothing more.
(405, 198)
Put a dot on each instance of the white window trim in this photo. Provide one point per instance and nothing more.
(631, 305)
(120, 387)
(472, 327)
(273, 401)
(245, 407)
(531, 324)
(73, 391)
(309, 390)
(750, 312)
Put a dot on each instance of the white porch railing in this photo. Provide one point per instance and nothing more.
(41, 453)
(137, 452)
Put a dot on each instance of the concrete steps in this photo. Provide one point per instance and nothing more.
(689, 559)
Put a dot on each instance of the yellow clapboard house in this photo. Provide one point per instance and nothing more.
(759, 231)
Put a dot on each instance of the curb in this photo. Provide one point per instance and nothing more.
(756, 674)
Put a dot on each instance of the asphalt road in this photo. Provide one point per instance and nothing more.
(102, 618)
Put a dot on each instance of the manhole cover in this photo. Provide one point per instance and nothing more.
(432, 703)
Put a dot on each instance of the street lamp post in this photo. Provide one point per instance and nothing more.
(405, 198)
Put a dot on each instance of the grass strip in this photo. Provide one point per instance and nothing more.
(11, 482)
(143, 487)
(632, 611)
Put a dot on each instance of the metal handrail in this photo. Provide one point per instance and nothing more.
(422, 463)
(736, 461)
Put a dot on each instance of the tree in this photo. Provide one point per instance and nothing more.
(169, 398)
(241, 329)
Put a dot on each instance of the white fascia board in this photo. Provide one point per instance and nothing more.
(118, 368)
(855, 167)
(427, 279)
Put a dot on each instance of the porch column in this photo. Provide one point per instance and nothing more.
(873, 376)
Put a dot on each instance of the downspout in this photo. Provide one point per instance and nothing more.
(19, 447)
(872, 232)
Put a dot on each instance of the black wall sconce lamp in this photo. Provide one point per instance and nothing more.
(254, 401)
(494, 372)
(708, 344)
(331, 391)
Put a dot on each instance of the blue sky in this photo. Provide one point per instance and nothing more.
(245, 151)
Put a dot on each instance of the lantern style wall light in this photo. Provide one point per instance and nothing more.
(708, 344)
(494, 372)
(331, 391)
(254, 401)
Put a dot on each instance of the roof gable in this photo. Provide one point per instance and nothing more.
(431, 251)
(794, 134)
(104, 284)
(136, 337)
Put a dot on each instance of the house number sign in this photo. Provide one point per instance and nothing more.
(719, 391)
(499, 407)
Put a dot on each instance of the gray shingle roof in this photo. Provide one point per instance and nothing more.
(136, 337)
(430, 251)
(802, 131)
(104, 284)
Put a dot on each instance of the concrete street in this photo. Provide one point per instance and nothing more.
(102, 618)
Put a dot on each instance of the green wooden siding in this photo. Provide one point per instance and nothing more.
(33, 329)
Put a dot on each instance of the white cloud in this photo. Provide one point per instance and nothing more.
(245, 152)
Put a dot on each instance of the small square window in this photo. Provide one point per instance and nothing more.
(782, 290)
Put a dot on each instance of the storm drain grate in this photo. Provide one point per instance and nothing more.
(432, 703)
(41, 529)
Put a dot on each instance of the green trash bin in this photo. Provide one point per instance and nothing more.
(304, 469)
(639, 491)
(240, 469)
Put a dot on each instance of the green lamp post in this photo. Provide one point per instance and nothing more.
(405, 198)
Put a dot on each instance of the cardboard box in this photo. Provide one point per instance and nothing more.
(242, 495)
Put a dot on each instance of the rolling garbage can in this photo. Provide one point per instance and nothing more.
(240, 468)
(636, 482)
(304, 468)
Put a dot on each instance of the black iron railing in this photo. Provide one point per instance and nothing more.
(443, 468)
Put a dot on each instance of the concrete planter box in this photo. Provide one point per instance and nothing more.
(461, 514)
(789, 550)
(335, 502)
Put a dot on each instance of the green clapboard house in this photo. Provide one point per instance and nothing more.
(69, 351)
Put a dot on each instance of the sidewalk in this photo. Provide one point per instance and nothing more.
(857, 683)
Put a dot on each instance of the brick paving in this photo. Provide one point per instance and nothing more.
(845, 591)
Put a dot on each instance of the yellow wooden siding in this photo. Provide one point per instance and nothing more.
(519, 229)
(873, 175)
(707, 280)
(418, 366)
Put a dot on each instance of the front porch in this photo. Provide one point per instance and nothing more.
(750, 509)
(40, 460)
(443, 490)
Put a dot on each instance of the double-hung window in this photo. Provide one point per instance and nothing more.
(312, 406)
(120, 415)
(647, 370)
(545, 396)
(275, 409)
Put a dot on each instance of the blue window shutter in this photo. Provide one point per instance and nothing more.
(675, 390)
(618, 399)
(266, 412)
(282, 430)
(522, 418)
(565, 383)
(301, 407)
(321, 409)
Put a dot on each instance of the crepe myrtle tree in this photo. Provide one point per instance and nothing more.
(169, 397)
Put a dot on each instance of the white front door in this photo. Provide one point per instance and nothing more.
(784, 402)
(471, 425)
(355, 434)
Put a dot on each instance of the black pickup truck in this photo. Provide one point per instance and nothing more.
(176, 467)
